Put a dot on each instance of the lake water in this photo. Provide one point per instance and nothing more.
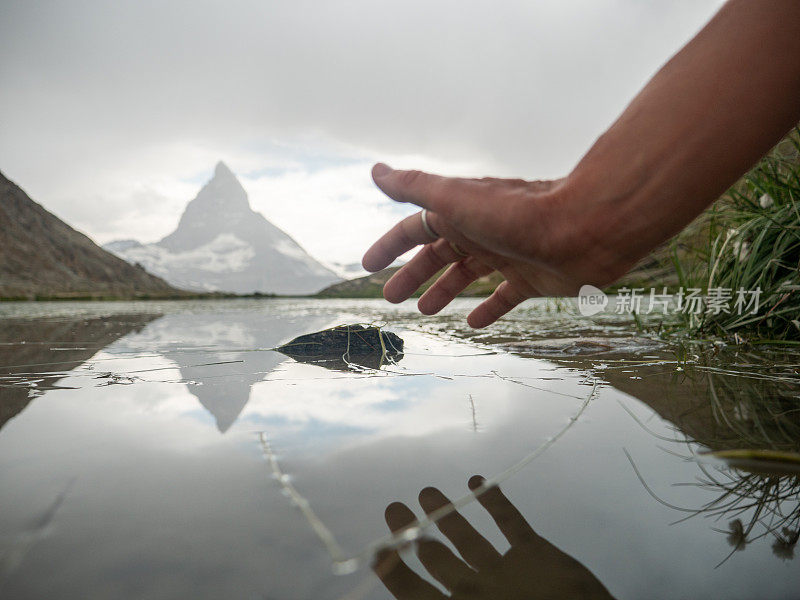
(164, 450)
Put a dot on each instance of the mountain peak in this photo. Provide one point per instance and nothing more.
(221, 243)
(220, 205)
(223, 192)
(222, 170)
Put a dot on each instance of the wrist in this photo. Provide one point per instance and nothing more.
(603, 226)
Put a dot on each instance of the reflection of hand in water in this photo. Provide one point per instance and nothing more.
(531, 568)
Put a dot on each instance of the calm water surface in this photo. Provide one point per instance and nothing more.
(164, 450)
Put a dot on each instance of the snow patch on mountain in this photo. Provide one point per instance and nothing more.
(225, 253)
(288, 248)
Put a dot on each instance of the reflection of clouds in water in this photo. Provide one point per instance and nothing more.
(163, 505)
(185, 331)
(307, 405)
(296, 401)
(166, 415)
(300, 401)
(192, 341)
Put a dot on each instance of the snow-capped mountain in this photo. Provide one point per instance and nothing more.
(221, 244)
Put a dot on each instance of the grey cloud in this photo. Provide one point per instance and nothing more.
(518, 87)
(448, 77)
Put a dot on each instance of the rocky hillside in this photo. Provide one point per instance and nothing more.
(41, 256)
(222, 244)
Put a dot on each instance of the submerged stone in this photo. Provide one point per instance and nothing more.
(343, 346)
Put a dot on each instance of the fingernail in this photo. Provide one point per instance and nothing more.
(381, 170)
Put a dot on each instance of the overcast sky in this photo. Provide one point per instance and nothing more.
(113, 114)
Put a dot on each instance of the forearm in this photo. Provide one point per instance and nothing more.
(705, 118)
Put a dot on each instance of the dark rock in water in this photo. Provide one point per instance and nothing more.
(343, 346)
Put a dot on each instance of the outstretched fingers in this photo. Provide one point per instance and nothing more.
(451, 283)
(426, 263)
(407, 234)
(503, 300)
(453, 203)
(472, 546)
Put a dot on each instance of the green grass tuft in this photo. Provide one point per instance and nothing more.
(753, 243)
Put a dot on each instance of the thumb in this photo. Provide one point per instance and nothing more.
(433, 192)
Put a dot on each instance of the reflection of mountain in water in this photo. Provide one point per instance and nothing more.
(39, 353)
(237, 342)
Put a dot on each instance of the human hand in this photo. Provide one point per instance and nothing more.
(532, 568)
(528, 231)
(656, 168)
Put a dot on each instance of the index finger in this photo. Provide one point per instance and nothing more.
(407, 234)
